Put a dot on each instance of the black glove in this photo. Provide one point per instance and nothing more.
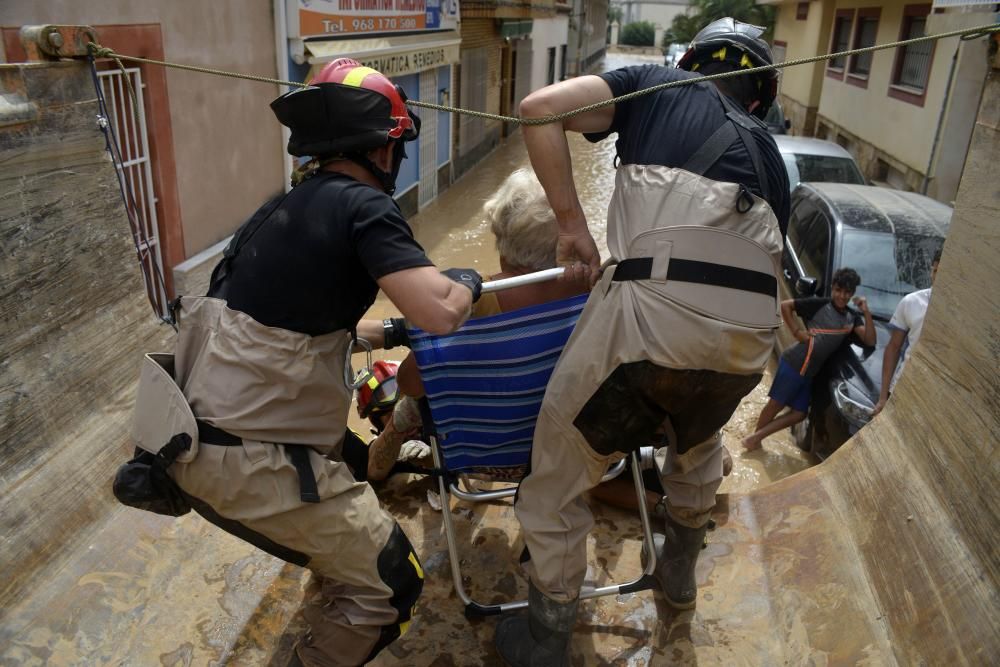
(468, 277)
(394, 333)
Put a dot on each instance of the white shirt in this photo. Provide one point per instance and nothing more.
(909, 318)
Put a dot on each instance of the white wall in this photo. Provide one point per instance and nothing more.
(545, 34)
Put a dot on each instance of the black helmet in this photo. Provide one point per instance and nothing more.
(740, 45)
(348, 110)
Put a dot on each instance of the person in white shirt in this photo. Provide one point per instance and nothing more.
(906, 324)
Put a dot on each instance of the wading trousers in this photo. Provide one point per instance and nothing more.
(255, 386)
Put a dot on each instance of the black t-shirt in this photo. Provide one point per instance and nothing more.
(666, 128)
(311, 266)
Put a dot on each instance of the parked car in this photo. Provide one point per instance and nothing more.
(815, 160)
(775, 119)
(674, 53)
(889, 237)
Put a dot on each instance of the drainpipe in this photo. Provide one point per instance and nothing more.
(940, 121)
(281, 54)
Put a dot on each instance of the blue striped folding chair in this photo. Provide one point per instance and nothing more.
(484, 386)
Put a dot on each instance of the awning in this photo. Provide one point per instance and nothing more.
(391, 55)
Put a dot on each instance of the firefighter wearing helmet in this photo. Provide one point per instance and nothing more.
(257, 379)
(676, 333)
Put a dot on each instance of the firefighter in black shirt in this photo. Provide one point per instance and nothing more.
(672, 337)
(258, 375)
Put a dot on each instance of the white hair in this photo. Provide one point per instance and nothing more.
(523, 222)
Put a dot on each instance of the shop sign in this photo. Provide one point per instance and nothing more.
(332, 18)
(395, 64)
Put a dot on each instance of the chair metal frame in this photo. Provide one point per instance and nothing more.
(448, 488)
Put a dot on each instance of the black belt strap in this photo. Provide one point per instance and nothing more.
(308, 491)
(705, 273)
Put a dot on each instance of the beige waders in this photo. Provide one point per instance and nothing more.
(262, 385)
(652, 350)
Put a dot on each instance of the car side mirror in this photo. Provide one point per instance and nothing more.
(805, 286)
(788, 124)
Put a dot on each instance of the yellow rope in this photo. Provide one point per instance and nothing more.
(99, 51)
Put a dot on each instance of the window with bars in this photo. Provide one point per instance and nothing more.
(912, 68)
(841, 39)
(551, 78)
(914, 65)
(865, 32)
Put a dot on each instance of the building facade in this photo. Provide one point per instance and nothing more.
(587, 41)
(208, 150)
(906, 114)
(414, 42)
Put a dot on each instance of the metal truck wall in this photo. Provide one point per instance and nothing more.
(78, 572)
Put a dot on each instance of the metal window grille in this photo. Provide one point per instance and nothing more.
(915, 62)
(841, 39)
(551, 76)
(867, 28)
(137, 171)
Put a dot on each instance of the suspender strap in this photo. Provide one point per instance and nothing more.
(705, 273)
(751, 145)
(299, 454)
(738, 125)
(713, 148)
(307, 480)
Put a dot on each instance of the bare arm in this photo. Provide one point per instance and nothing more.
(890, 360)
(792, 320)
(428, 299)
(371, 331)
(550, 157)
(865, 332)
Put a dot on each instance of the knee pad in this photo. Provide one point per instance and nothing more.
(400, 569)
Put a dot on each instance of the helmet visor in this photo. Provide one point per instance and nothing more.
(384, 396)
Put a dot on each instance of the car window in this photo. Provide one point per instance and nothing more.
(792, 169)
(809, 239)
(890, 267)
(774, 115)
(825, 169)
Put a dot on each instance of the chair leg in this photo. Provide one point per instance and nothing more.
(647, 529)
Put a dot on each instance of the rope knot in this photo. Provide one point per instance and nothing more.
(99, 51)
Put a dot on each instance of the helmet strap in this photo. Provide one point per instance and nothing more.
(387, 179)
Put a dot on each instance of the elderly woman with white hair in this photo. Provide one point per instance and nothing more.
(524, 225)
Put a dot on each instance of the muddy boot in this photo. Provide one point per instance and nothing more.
(541, 637)
(676, 559)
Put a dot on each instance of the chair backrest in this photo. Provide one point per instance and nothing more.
(485, 382)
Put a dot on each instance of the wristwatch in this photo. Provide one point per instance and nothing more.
(394, 333)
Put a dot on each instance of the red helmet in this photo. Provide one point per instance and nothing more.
(379, 392)
(347, 108)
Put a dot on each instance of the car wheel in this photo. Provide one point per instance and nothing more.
(802, 434)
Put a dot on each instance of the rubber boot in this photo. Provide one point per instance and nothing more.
(676, 561)
(541, 637)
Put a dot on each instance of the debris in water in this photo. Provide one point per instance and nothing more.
(434, 500)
